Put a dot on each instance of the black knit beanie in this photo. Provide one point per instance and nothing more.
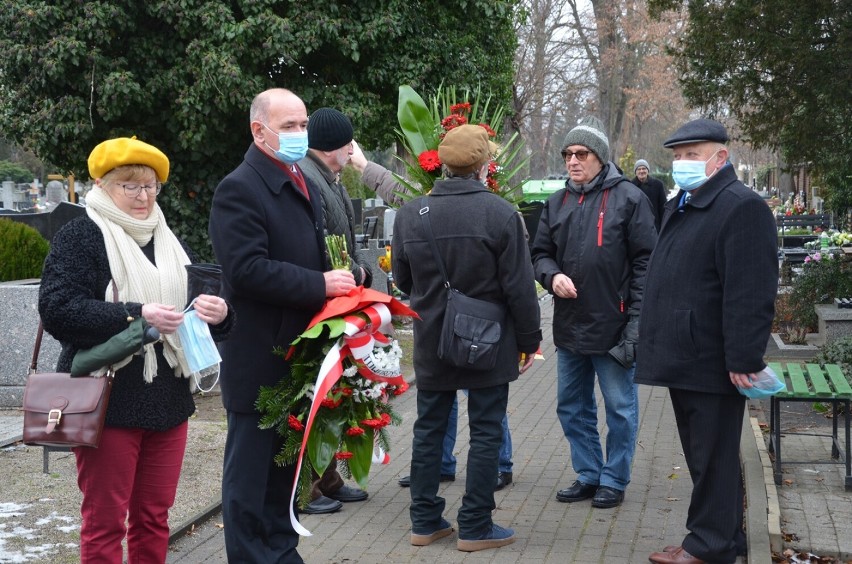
(329, 130)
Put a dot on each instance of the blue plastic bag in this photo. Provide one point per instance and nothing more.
(766, 384)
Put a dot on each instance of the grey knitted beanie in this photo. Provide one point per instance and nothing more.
(641, 162)
(590, 133)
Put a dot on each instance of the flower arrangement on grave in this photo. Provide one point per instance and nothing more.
(335, 403)
(385, 260)
(422, 127)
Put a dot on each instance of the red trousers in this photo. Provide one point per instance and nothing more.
(129, 484)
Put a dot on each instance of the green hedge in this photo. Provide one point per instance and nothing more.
(22, 251)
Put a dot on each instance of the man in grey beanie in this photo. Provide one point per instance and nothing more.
(651, 187)
(591, 250)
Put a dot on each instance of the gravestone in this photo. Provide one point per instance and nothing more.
(48, 223)
(19, 325)
(377, 212)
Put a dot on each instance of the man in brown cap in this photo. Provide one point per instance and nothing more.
(480, 240)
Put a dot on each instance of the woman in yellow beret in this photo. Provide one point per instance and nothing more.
(123, 244)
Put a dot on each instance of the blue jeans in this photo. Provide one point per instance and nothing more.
(448, 459)
(577, 412)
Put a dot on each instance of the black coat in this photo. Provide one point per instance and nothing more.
(72, 307)
(710, 289)
(269, 240)
(606, 261)
(656, 192)
(481, 240)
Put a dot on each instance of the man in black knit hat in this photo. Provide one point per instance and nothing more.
(329, 148)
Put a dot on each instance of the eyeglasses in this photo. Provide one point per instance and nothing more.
(133, 190)
(581, 155)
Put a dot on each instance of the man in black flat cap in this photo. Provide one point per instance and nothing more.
(706, 317)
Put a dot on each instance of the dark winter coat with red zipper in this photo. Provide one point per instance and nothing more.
(601, 236)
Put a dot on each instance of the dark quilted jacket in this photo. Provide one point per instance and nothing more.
(338, 214)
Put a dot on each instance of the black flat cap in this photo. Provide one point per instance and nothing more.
(697, 131)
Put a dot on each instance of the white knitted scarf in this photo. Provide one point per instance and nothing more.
(137, 279)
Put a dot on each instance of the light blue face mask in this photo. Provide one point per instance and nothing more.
(292, 145)
(197, 342)
(689, 175)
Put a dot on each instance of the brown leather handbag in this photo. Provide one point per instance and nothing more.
(61, 411)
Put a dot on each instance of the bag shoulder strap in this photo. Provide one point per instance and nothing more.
(427, 227)
(40, 334)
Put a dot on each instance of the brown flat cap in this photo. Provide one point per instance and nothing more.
(465, 149)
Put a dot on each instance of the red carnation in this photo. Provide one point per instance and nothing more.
(372, 423)
(354, 431)
(343, 455)
(294, 423)
(488, 129)
(385, 419)
(429, 160)
(401, 389)
(463, 108)
(452, 121)
(331, 403)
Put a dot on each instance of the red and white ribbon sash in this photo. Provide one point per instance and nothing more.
(357, 341)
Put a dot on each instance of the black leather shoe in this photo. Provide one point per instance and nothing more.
(405, 482)
(322, 504)
(607, 497)
(577, 492)
(503, 480)
(346, 494)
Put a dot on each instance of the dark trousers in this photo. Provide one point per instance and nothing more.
(256, 495)
(328, 483)
(486, 408)
(710, 426)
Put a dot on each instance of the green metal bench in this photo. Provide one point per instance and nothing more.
(813, 383)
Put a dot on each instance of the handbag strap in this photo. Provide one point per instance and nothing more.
(427, 227)
(40, 334)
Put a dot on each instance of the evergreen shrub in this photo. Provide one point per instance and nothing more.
(22, 251)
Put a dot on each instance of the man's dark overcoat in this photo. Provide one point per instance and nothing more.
(269, 240)
(709, 290)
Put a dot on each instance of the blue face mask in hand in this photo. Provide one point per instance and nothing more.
(197, 342)
(292, 145)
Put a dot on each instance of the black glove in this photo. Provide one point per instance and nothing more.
(625, 351)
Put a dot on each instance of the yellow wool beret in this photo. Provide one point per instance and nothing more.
(465, 148)
(127, 151)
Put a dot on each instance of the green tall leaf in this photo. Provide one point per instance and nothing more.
(415, 121)
(361, 446)
(324, 439)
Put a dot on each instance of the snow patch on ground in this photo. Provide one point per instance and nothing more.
(16, 539)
